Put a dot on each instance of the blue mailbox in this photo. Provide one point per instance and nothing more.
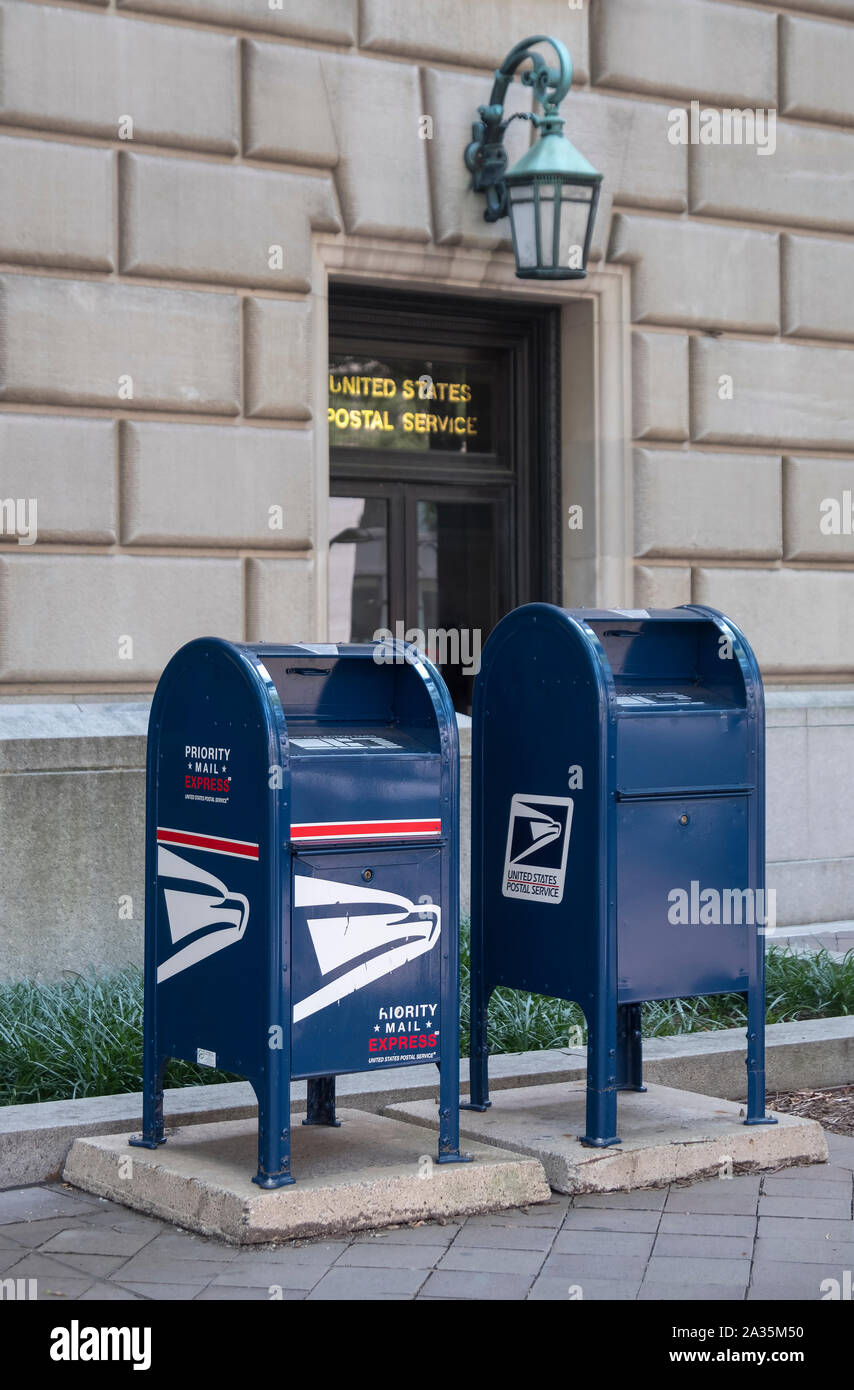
(301, 876)
(618, 829)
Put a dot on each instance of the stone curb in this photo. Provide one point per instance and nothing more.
(35, 1139)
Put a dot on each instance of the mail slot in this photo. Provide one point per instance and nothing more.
(302, 886)
(618, 829)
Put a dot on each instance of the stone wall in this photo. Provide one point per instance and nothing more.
(177, 166)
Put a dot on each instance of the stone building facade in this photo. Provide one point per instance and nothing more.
(184, 185)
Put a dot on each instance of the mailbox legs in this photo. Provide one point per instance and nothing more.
(601, 1075)
(152, 1104)
(478, 1045)
(629, 1048)
(756, 1059)
(320, 1102)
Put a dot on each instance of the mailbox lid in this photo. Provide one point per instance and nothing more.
(682, 702)
(371, 749)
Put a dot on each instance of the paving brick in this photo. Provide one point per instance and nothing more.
(504, 1237)
(825, 1172)
(384, 196)
(591, 1219)
(332, 22)
(683, 504)
(83, 607)
(815, 515)
(456, 1284)
(62, 211)
(660, 1291)
(478, 34)
(631, 1244)
(782, 1249)
(689, 275)
(296, 127)
(108, 1293)
(431, 1233)
(644, 1199)
(818, 287)
(841, 1146)
(815, 70)
(575, 1269)
(777, 608)
(695, 49)
(184, 1245)
(792, 1281)
(660, 386)
(695, 1269)
(390, 1256)
(706, 1224)
(177, 85)
(479, 1261)
(28, 1204)
(796, 185)
(803, 1187)
(279, 601)
(722, 1199)
(166, 1293)
(368, 1284)
(217, 1293)
(662, 586)
(68, 465)
(150, 1268)
(210, 485)
(711, 1247)
(555, 1290)
(96, 1266)
(771, 394)
(97, 1240)
(451, 100)
(833, 1208)
(175, 349)
(216, 222)
(550, 1214)
(278, 352)
(797, 1227)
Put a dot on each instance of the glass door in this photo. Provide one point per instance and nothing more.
(438, 467)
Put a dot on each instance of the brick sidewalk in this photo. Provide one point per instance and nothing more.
(771, 1237)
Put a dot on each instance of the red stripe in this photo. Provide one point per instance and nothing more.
(365, 830)
(211, 842)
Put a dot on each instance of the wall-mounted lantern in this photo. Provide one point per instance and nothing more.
(551, 193)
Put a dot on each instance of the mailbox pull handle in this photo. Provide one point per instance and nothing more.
(621, 632)
(307, 671)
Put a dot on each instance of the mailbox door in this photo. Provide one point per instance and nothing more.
(369, 931)
(675, 884)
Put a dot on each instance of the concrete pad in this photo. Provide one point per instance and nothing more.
(667, 1136)
(371, 1172)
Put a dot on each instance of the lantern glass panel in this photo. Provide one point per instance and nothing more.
(523, 221)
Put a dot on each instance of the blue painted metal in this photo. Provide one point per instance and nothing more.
(302, 876)
(618, 758)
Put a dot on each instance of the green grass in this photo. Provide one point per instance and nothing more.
(83, 1036)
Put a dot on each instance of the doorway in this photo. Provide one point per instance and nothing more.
(444, 470)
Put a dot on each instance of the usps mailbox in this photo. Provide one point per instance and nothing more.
(618, 829)
(301, 877)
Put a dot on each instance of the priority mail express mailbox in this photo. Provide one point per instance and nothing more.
(301, 876)
(618, 829)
